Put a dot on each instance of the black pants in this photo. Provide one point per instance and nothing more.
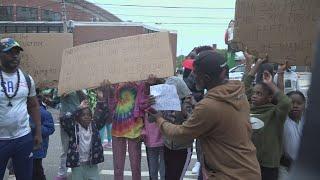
(269, 173)
(175, 162)
(38, 173)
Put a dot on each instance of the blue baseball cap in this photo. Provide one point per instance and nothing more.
(8, 43)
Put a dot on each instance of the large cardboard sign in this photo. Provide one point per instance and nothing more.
(42, 55)
(124, 59)
(284, 29)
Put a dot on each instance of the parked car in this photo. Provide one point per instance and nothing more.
(237, 72)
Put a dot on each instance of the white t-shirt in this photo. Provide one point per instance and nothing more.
(85, 138)
(14, 121)
(292, 133)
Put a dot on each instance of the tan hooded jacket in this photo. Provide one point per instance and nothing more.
(221, 122)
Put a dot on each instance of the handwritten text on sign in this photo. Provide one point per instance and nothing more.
(284, 29)
(166, 97)
(124, 59)
(42, 54)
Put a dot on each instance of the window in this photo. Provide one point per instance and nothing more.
(54, 29)
(32, 29)
(2, 29)
(43, 29)
(6, 13)
(10, 29)
(21, 29)
(47, 15)
(27, 14)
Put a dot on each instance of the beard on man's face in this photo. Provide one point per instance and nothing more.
(10, 64)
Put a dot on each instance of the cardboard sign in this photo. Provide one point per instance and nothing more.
(284, 29)
(42, 55)
(124, 59)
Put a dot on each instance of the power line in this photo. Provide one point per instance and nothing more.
(178, 17)
(168, 7)
(176, 23)
(190, 23)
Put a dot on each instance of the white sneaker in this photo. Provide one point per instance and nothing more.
(12, 177)
(196, 168)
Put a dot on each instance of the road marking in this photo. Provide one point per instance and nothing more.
(143, 154)
(143, 173)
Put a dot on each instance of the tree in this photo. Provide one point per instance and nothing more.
(179, 61)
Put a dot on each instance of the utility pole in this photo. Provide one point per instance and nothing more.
(64, 15)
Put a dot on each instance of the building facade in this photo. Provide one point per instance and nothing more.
(52, 10)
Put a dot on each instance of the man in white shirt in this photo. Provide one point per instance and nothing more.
(17, 101)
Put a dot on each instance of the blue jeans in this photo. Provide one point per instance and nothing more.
(156, 162)
(20, 151)
(84, 172)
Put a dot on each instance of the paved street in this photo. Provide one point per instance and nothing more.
(51, 163)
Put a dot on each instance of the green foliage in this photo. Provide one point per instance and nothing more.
(222, 51)
(179, 61)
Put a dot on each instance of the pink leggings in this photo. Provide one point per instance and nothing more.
(119, 148)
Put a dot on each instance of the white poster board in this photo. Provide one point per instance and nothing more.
(166, 97)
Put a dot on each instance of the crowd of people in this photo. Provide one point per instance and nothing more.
(246, 130)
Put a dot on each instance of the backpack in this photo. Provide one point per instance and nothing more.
(27, 77)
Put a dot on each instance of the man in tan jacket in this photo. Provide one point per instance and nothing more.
(220, 121)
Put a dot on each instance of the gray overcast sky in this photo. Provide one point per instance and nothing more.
(189, 35)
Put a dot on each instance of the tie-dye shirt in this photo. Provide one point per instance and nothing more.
(127, 109)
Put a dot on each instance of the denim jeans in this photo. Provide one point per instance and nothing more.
(156, 162)
(20, 151)
(62, 172)
(85, 172)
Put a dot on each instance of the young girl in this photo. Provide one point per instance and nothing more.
(292, 132)
(126, 106)
(85, 149)
(154, 141)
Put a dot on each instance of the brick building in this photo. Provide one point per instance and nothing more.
(51, 10)
(86, 21)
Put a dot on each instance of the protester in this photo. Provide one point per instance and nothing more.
(268, 138)
(177, 153)
(47, 129)
(17, 101)
(220, 121)
(198, 96)
(92, 100)
(69, 103)
(107, 129)
(228, 38)
(127, 109)
(153, 140)
(85, 150)
(292, 133)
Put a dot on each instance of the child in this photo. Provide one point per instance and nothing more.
(177, 153)
(126, 105)
(47, 129)
(154, 141)
(292, 132)
(85, 149)
(267, 139)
